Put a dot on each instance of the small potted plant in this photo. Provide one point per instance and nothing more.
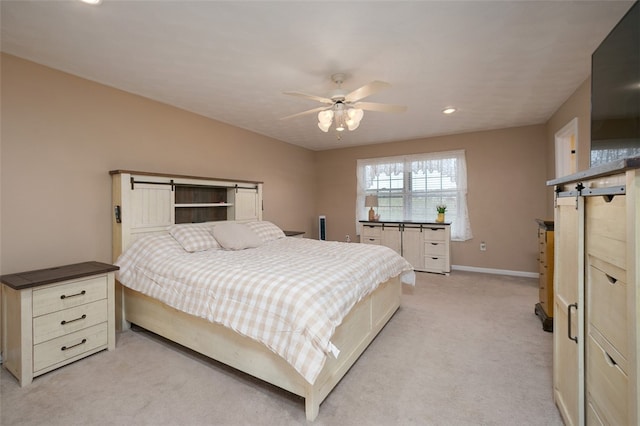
(441, 208)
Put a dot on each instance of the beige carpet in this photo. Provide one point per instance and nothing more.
(463, 350)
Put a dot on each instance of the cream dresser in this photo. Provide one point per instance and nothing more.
(52, 317)
(426, 245)
(597, 297)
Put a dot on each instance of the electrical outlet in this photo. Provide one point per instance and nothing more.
(483, 246)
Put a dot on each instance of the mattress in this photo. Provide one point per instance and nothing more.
(290, 294)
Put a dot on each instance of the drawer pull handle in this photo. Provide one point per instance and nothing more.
(611, 279)
(64, 296)
(609, 360)
(434, 244)
(66, 348)
(434, 258)
(573, 305)
(63, 322)
(372, 239)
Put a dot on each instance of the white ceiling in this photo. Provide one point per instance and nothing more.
(502, 63)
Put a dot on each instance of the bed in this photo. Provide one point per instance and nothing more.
(177, 283)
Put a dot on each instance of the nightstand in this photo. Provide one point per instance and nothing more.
(296, 234)
(54, 316)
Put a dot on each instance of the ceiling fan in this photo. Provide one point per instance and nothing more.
(346, 108)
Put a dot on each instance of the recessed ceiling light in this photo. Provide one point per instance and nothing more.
(91, 1)
(449, 110)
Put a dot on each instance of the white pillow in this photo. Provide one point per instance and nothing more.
(235, 236)
(267, 231)
(193, 237)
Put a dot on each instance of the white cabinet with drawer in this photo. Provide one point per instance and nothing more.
(436, 249)
(371, 234)
(596, 295)
(425, 245)
(55, 316)
(607, 346)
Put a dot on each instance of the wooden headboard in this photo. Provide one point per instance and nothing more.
(145, 203)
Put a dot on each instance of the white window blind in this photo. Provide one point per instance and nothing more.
(410, 187)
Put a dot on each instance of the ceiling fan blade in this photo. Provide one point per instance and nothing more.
(311, 111)
(312, 97)
(372, 106)
(366, 90)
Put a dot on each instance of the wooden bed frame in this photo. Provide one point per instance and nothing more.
(352, 337)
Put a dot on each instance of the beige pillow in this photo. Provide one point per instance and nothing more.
(193, 237)
(267, 231)
(235, 236)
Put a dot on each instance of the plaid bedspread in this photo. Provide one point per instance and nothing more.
(289, 294)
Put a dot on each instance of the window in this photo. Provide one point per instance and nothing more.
(410, 187)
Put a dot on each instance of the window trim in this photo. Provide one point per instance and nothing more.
(460, 228)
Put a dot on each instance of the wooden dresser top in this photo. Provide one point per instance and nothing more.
(39, 277)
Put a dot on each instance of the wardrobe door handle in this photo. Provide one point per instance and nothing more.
(573, 305)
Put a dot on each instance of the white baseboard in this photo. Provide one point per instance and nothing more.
(495, 271)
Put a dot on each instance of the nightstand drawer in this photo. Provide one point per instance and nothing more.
(58, 350)
(68, 295)
(435, 248)
(56, 324)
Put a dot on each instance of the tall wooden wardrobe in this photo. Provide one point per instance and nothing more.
(596, 368)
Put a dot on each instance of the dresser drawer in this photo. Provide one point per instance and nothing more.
(434, 263)
(592, 415)
(370, 240)
(68, 295)
(435, 248)
(435, 234)
(542, 247)
(56, 324)
(606, 230)
(607, 297)
(58, 350)
(371, 231)
(607, 384)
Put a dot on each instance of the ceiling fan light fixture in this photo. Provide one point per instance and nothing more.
(352, 125)
(325, 118)
(345, 110)
(324, 126)
(355, 116)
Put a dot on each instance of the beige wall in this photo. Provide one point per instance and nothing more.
(507, 171)
(62, 134)
(578, 105)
